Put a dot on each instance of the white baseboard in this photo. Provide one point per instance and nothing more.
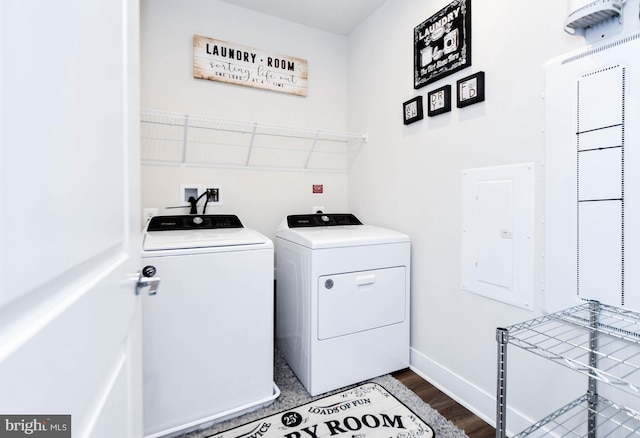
(464, 392)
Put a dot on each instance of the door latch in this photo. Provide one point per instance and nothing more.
(147, 278)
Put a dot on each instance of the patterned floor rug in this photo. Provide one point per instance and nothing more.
(293, 395)
(367, 410)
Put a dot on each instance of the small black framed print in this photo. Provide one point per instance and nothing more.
(470, 89)
(412, 110)
(439, 101)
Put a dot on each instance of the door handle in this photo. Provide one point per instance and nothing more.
(365, 279)
(147, 278)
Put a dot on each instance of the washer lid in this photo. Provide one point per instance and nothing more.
(341, 236)
(207, 238)
(186, 232)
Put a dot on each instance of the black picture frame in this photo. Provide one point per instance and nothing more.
(412, 110)
(439, 101)
(470, 90)
(442, 43)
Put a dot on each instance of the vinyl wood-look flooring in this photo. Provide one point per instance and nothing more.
(464, 419)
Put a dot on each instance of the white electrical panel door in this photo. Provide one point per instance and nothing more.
(494, 239)
(497, 233)
(357, 301)
(592, 159)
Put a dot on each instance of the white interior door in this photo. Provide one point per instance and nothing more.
(69, 214)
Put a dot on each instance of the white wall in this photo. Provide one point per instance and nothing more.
(453, 331)
(260, 198)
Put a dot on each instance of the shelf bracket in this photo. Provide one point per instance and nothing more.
(184, 139)
(313, 145)
(253, 137)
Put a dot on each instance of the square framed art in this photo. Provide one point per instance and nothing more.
(470, 89)
(412, 110)
(439, 101)
(442, 43)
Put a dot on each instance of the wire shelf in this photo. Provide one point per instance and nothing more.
(597, 340)
(191, 140)
(566, 337)
(572, 420)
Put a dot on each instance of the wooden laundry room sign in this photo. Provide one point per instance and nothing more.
(221, 61)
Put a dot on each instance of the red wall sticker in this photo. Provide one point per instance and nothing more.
(318, 188)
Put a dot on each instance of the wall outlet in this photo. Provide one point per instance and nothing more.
(317, 209)
(213, 194)
(148, 213)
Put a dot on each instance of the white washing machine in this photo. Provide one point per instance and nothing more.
(342, 299)
(208, 332)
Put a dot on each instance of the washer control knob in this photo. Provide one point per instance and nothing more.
(324, 218)
(328, 284)
(197, 220)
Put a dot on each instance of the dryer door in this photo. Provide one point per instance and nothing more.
(358, 301)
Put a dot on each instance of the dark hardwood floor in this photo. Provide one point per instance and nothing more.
(464, 419)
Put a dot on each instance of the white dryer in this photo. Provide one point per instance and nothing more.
(208, 333)
(342, 299)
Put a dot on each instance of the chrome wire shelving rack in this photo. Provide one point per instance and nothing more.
(600, 341)
(203, 141)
